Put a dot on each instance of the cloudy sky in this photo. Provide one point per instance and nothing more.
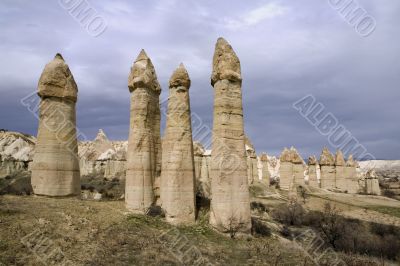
(288, 49)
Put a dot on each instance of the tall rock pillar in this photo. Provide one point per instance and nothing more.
(230, 203)
(143, 142)
(286, 174)
(340, 163)
(55, 168)
(177, 189)
(266, 176)
(312, 172)
(298, 167)
(350, 174)
(327, 165)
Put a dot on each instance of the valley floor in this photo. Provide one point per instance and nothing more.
(69, 231)
(37, 230)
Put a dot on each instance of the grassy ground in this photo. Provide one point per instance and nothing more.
(69, 231)
(38, 230)
(392, 211)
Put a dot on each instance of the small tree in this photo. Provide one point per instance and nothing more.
(291, 213)
(331, 224)
(302, 192)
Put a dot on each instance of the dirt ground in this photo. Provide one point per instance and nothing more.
(45, 231)
(364, 207)
(70, 231)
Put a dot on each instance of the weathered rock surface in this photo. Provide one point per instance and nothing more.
(388, 173)
(177, 188)
(351, 176)
(371, 183)
(230, 203)
(103, 157)
(252, 162)
(340, 166)
(312, 171)
(16, 152)
(328, 173)
(264, 161)
(291, 169)
(55, 167)
(144, 136)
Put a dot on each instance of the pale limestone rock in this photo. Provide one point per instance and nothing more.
(202, 170)
(298, 167)
(198, 152)
(372, 183)
(204, 184)
(252, 169)
(326, 158)
(350, 161)
(312, 172)
(265, 174)
(328, 174)
(103, 157)
(340, 179)
(144, 137)
(291, 167)
(55, 168)
(177, 188)
(285, 169)
(230, 203)
(350, 174)
(102, 144)
(285, 156)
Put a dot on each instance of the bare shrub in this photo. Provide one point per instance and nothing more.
(290, 214)
(259, 228)
(331, 224)
(389, 193)
(259, 206)
(155, 211)
(301, 191)
(286, 232)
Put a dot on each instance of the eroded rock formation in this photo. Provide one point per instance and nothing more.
(298, 167)
(103, 157)
(16, 152)
(340, 165)
(328, 174)
(291, 170)
(265, 174)
(177, 188)
(144, 136)
(371, 183)
(230, 203)
(350, 175)
(252, 162)
(312, 171)
(55, 167)
(285, 169)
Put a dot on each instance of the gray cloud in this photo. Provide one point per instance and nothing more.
(288, 49)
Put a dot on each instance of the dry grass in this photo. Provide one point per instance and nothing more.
(100, 233)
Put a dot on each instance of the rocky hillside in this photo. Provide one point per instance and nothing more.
(388, 173)
(16, 151)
